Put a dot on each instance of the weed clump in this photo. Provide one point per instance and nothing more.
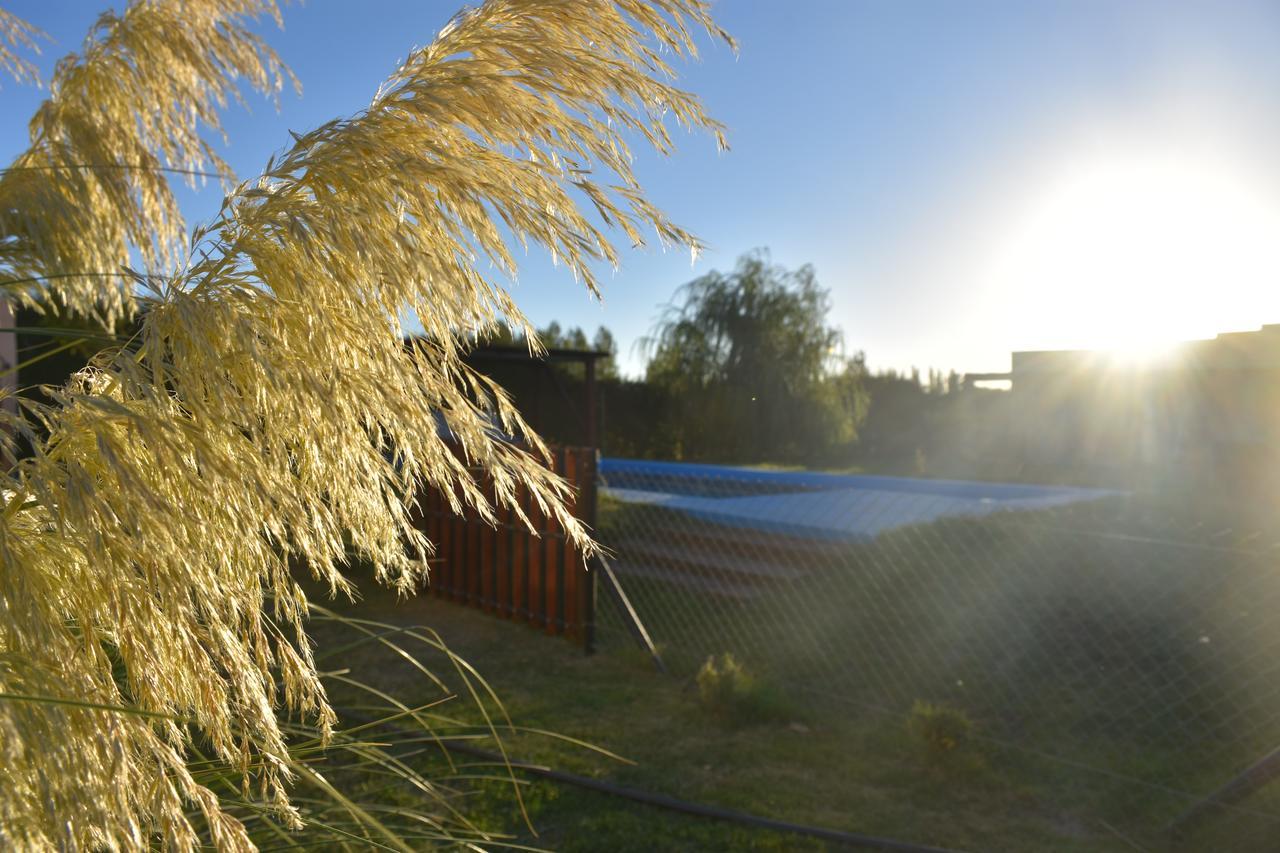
(729, 691)
(940, 729)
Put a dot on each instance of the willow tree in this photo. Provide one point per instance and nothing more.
(265, 413)
(751, 369)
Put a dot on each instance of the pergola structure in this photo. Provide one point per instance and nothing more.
(490, 354)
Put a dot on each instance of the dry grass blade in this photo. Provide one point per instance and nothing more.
(385, 777)
(91, 189)
(16, 35)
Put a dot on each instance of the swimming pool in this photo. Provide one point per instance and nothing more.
(814, 505)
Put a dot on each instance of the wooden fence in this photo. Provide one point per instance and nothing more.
(511, 572)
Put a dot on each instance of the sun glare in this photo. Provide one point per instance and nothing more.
(1132, 255)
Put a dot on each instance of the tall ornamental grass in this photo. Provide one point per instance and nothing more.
(263, 412)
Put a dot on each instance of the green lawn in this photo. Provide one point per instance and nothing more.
(821, 765)
(1099, 710)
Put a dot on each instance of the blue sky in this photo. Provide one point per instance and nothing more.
(964, 176)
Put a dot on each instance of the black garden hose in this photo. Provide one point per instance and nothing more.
(662, 801)
(851, 840)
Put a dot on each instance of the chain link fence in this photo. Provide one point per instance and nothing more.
(1117, 649)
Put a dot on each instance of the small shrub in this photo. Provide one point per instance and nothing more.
(729, 691)
(721, 680)
(940, 729)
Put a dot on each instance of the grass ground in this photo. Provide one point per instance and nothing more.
(811, 764)
(1119, 654)
(1105, 675)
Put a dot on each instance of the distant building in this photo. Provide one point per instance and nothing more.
(1204, 408)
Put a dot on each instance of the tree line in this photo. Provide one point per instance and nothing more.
(745, 367)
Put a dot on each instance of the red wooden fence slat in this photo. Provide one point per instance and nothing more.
(551, 562)
(572, 557)
(457, 570)
(536, 559)
(435, 533)
(520, 566)
(502, 561)
(471, 583)
(487, 537)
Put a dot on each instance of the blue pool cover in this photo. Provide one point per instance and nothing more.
(824, 506)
